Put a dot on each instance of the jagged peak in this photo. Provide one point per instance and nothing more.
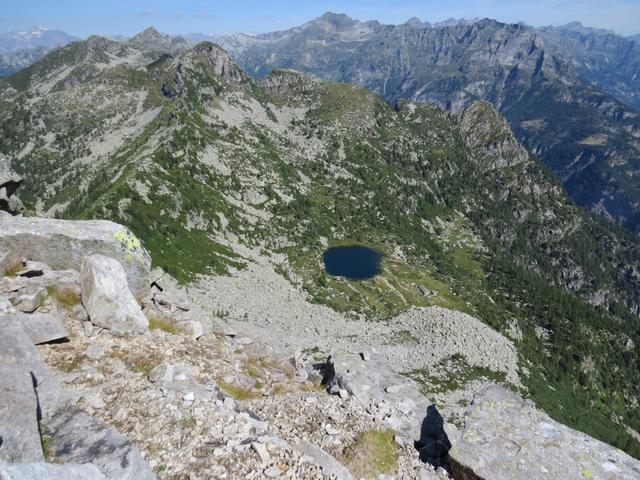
(219, 61)
(148, 34)
(414, 22)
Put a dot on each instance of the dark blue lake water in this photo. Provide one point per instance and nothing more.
(354, 262)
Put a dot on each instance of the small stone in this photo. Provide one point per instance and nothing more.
(94, 401)
(364, 356)
(94, 352)
(229, 403)
(311, 400)
(29, 302)
(189, 397)
(88, 329)
(334, 390)
(393, 389)
(272, 472)
(331, 430)
(262, 452)
(343, 393)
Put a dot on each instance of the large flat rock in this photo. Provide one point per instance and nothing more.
(63, 244)
(49, 471)
(19, 432)
(506, 438)
(79, 438)
(39, 327)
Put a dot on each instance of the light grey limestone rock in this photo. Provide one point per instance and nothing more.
(179, 372)
(40, 327)
(79, 438)
(107, 298)
(327, 462)
(504, 437)
(49, 471)
(63, 244)
(20, 368)
(8, 260)
(28, 301)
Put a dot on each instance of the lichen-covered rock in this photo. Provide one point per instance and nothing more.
(107, 298)
(63, 244)
(504, 437)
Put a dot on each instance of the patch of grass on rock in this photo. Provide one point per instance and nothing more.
(374, 453)
(236, 392)
(157, 322)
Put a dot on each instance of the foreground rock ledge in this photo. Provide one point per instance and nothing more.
(506, 438)
(63, 244)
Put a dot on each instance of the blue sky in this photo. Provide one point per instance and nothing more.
(85, 17)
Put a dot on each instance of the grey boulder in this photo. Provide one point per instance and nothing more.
(107, 298)
(63, 244)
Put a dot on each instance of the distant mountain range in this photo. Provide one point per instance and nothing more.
(571, 93)
(20, 48)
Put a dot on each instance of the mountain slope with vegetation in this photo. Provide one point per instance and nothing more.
(200, 160)
(541, 80)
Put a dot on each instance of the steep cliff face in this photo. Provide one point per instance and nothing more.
(206, 165)
(541, 80)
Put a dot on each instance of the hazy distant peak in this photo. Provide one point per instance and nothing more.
(414, 22)
(148, 34)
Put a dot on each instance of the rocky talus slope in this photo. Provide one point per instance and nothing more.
(104, 379)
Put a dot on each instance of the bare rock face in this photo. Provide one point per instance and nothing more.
(80, 438)
(488, 133)
(49, 471)
(9, 183)
(18, 401)
(506, 438)
(63, 244)
(39, 327)
(220, 62)
(107, 298)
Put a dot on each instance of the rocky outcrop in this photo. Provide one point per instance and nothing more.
(488, 133)
(64, 244)
(9, 183)
(282, 80)
(107, 298)
(504, 437)
(219, 62)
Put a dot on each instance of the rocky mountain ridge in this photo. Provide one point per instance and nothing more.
(545, 81)
(229, 181)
